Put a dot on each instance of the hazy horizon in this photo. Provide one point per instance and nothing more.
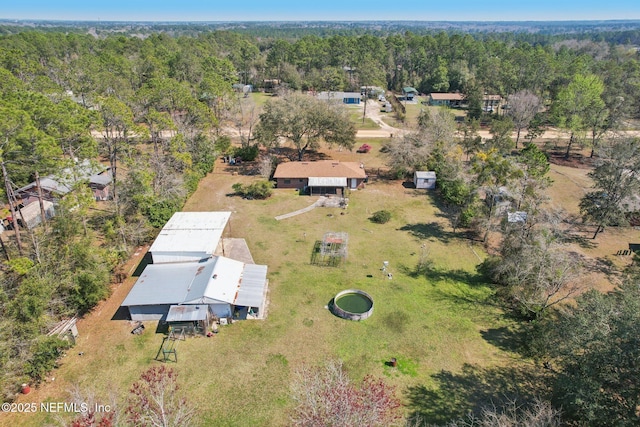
(329, 10)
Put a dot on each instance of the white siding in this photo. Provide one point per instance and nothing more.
(178, 256)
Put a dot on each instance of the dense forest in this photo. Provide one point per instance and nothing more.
(155, 105)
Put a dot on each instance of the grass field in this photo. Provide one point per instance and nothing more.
(430, 323)
(356, 118)
(439, 325)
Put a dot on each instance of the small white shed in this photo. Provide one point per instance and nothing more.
(424, 179)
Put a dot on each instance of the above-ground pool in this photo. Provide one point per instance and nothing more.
(352, 304)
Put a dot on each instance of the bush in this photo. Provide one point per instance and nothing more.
(247, 154)
(222, 144)
(160, 211)
(257, 190)
(45, 354)
(381, 217)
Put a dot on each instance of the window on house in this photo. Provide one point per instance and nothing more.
(287, 181)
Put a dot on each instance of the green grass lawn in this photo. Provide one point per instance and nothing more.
(431, 322)
(356, 118)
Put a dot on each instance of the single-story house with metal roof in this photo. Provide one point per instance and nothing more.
(57, 185)
(222, 284)
(189, 237)
(424, 179)
(343, 97)
(322, 177)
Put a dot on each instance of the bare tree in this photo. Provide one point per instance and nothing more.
(438, 124)
(93, 412)
(245, 119)
(536, 271)
(408, 153)
(154, 400)
(539, 413)
(616, 182)
(523, 106)
(327, 397)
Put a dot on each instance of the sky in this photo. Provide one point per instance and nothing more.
(319, 10)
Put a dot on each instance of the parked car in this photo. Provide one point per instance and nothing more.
(364, 148)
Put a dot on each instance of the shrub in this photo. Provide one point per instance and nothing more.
(326, 396)
(248, 154)
(160, 211)
(46, 352)
(257, 190)
(381, 217)
(222, 144)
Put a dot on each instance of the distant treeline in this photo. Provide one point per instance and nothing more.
(539, 32)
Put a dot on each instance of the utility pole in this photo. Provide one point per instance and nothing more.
(11, 200)
(366, 98)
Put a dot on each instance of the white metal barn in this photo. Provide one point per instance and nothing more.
(221, 283)
(424, 179)
(189, 237)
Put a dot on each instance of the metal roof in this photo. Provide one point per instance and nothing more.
(197, 221)
(253, 287)
(425, 175)
(170, 284)
(32, 214)
(517, 216)
(188, 243)
(215, 280)
(190, 235)
(103, 178)
(327, 182)
(63, 181)
(338, 96)
(187, 313)
(224, 281)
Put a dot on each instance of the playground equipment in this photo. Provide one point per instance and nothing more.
(168, 349)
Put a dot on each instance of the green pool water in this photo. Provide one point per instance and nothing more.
(354, 303)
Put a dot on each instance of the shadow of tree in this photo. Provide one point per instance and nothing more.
(291, 153)
(582, 241)
(458, 394)
(601, 265)
(428, 230)
(434, 275)
(506, 338)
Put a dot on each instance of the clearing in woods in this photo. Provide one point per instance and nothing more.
(438, 324)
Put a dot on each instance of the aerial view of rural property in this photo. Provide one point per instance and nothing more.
(280, 214)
